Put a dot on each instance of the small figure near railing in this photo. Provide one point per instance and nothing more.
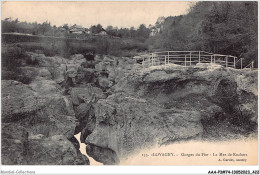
(188, 59)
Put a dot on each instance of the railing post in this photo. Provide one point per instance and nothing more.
(252, 64)
(211, 59)
(185, 61)
(199, 56)
(168, 57)
(241, 63)
(226, 61)
(234, 62)
(165, 62)
(190, 58)
(214, 58)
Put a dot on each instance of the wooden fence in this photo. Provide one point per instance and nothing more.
(188, 58)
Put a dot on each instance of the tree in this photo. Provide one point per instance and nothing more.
(109, 28)
(226, 27)
(96, 28)
(45, 27)
(143, 32)
(132, 32)
(159, 24)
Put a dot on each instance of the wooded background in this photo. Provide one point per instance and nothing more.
(229, 28)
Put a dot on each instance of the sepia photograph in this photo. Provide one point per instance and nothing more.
(123, 83)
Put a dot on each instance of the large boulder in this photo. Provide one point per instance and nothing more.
(104, 82)
(14, 147)
(115, 68)
(18, 100)
(86, 94)
(163, 105)
(77, 59)
(103, 155)
(80, 159)
(199, 89)
(53, 118)
(44, 73)
(56, 68)
(54, 150)
(40, 73)
(58, 73)
(42, 112)
(18, 148)
(45, 87)
(126, 123)
(86, 116)
(44, 61)
(248, 93)
(73, 66)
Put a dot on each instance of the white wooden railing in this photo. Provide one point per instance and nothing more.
(188, 58)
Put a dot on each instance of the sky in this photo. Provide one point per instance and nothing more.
(120, 14)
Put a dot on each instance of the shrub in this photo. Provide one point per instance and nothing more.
(12, 59)
(17, 75)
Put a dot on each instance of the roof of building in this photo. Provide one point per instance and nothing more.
(76, 28)
(62, 29)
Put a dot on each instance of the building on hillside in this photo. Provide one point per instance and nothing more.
(103, 32)
(87, 31)
(77, 29)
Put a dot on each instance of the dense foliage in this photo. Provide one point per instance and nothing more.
(224, 27)
(220, 27)
(46, 29)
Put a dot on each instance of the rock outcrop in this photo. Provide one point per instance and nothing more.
(42, 113)
(125, 123)
(54, 150)
(199, 89)
(160, 106)
(20, 148)
(88, 94)
(105, 155)
(118, 109)
(14, 144)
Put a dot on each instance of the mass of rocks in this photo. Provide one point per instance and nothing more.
(118, 109)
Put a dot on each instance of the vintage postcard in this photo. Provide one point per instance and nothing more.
(129, 83)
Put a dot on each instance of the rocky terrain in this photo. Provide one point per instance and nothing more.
(162, 106)
(119, 110)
